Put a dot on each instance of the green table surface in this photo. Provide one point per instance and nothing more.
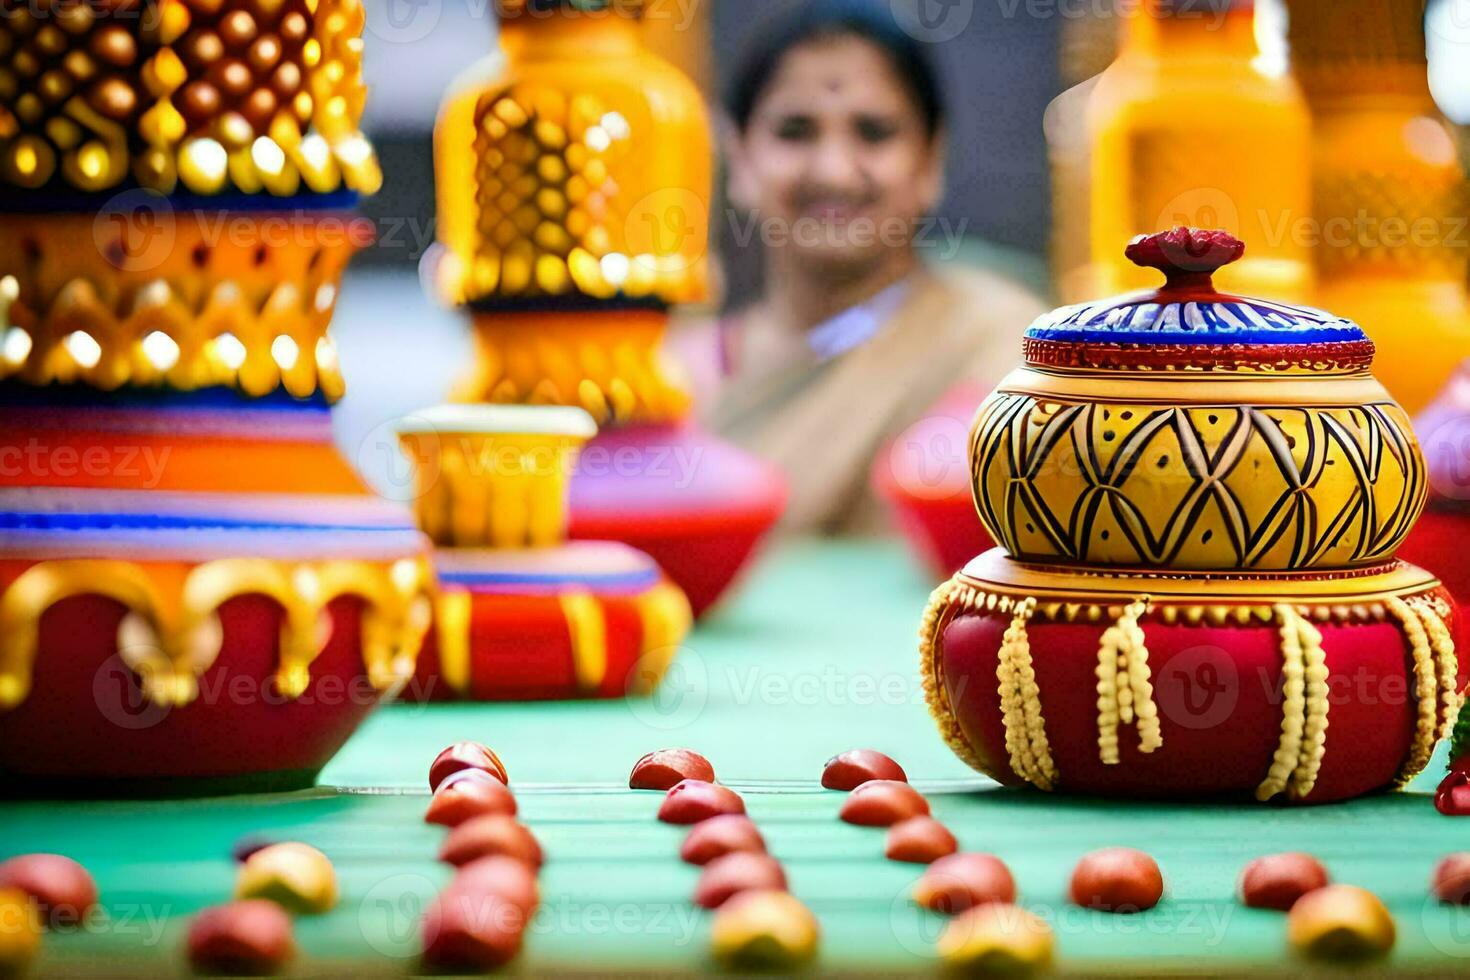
(815, 655)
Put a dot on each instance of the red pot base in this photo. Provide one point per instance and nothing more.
(1216, 662)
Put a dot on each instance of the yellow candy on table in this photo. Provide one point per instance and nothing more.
(1340, 924)
(20, 930)
(295, 876)
(763, 930)
(997, 939)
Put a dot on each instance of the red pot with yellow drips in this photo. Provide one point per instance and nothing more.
(1198, 500)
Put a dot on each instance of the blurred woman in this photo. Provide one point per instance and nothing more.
(836, 157)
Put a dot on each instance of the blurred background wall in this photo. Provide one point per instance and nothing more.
(1001, 64)
(1004, 61)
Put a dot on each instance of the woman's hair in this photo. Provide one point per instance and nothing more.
(811, 20)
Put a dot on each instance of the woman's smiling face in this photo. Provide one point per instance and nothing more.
(836, 152)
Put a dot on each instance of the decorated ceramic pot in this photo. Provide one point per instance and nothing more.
(522, 613)
(1198, 499)
(1442, 535)
(197, 594)
(574, 176)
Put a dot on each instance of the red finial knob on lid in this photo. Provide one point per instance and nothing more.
(1186, 256)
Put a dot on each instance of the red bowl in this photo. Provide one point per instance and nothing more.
(924, 477)
(696, 504)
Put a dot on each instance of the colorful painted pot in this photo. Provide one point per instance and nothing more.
(523, 613)
(574, 172)
(197, 594)
(1440, 539)
(1198, 499)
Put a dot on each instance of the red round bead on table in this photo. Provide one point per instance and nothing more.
(466, 755)
(491, 835)
(693, 800)
(63, 890)
(252, 937)
(466, 930)
(1276, 881)
(958, 882)
(1117, 879)
(856, 766)
(727, 833)
(470, 776)
(919, 840)
(1452, 879)
(882, 803)
(459, 800)
(666, 768)
(501, 876)
(734, 873)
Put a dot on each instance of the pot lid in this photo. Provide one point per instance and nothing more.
(1187, 323)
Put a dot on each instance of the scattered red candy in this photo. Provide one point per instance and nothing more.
(470, 776)
(459, 800)
(853, 768)
(735, 873)
(728, 833)
(1117, 879)
(919, 840)
(466, 755)
(665, 768)
(246, 938)
(1453, 796)
(693, 800)
(465, 930)
(1452, 879)
(959, 882)
(488, 836)
(501, 876)
(882, 803)
(62, 889)
(1276, 881)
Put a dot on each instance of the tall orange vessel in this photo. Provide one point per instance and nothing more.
(1388, 188)
(575, 178)
(1188, 127)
